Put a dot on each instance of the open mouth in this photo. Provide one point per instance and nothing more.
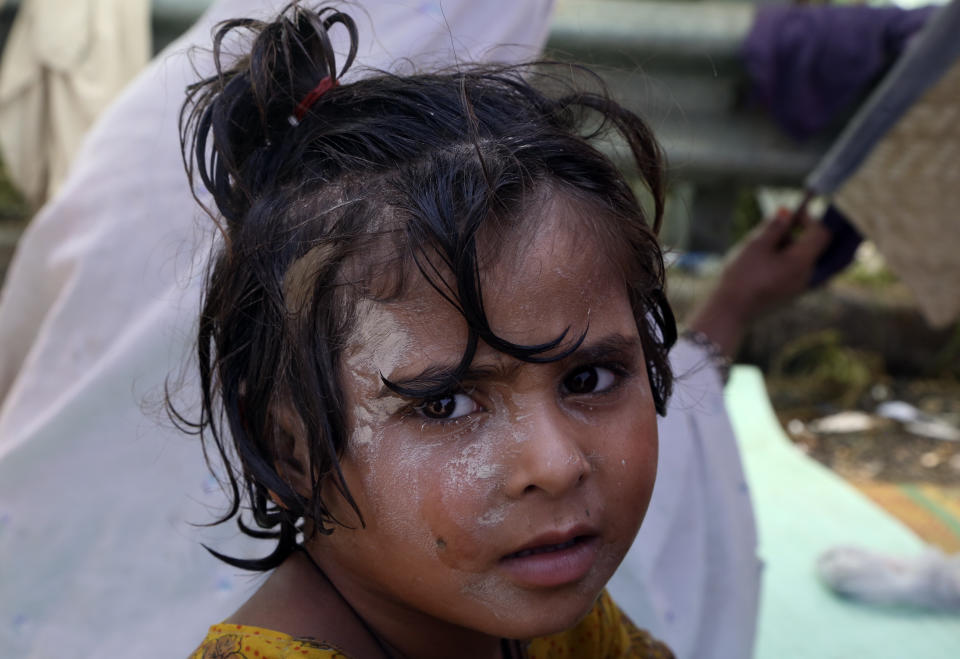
(552, 564)
(544, 549)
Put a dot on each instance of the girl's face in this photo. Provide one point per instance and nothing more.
(503, 506)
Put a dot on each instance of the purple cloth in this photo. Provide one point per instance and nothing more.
(807, 64)
(839, 253)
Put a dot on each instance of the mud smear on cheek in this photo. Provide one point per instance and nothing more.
(468, 505)
(496, 594)
(395, 488)
(370, 418)
(378, 345)
(388, 464)
(582, 415)
(470, 474)
(476, 481)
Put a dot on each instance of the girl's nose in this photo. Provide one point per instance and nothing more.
(549, 455)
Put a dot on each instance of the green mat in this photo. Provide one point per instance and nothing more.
(802, 509)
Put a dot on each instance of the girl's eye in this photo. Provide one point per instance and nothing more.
(449, 406)
(590, 380)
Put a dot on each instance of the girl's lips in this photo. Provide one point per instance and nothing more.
(548, 565)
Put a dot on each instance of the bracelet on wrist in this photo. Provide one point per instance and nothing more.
(720, 360)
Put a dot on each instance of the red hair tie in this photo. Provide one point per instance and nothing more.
(312, 96)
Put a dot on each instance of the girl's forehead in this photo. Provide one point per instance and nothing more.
(545, 275)
(561, 252)
(536, 289)
(553, 225)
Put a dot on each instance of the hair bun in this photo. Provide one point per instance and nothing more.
(234, 118)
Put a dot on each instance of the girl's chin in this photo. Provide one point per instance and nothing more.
(545, 615)
(550, 623)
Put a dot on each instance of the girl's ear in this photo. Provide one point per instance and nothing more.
(291, 455)
(277, 500)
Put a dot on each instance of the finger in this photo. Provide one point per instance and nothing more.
(802, 220)
(811, 242)
(773, 231)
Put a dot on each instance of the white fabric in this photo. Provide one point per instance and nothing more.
(98, 491)
(692, 577)
(62, 64)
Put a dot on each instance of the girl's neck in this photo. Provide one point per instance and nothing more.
(296, 600)
(300, 599)
(405, 633)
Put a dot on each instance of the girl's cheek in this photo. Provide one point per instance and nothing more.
(395, 487)
(469, 504)
(465, 503)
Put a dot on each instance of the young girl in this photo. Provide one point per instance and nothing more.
(432, 348)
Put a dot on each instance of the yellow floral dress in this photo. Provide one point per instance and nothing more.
(605, 633)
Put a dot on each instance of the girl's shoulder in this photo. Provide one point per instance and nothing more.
(246, 642)
(605, 633)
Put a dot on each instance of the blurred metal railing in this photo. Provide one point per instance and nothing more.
(677, 64)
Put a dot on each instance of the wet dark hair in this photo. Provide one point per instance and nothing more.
(381, 179)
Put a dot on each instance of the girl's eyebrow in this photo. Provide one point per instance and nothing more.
(443, 376)
(437, 378)
(612, 346)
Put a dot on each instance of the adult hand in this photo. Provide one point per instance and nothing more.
(770, 267)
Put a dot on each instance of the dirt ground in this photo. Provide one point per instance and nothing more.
(887, 451)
